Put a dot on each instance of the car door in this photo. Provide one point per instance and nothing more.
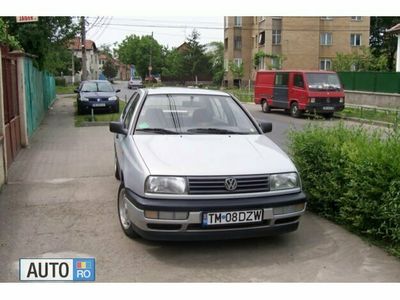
(281, 98)
(126, 117)
(297, 92)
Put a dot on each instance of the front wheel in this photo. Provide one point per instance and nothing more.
(126, 224)
(295, 112)
(265, 107)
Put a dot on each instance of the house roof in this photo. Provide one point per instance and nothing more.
(77, 45)
(394, 29)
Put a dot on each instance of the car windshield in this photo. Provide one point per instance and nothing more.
(323, 81)
(97, 87)
(193, 114)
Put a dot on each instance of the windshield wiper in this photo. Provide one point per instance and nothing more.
(214, 130)
(157, 130)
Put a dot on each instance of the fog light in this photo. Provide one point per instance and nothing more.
(289, 209)
(151, 214)
(341, 100)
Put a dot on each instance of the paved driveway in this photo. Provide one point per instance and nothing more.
(61, 202)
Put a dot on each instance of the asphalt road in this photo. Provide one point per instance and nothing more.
(61, 202)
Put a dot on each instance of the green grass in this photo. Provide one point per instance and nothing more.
(98, 117)
(242, 94)
(69, 89)
(370, 114)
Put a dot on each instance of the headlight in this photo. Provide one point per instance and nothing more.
(84, 98)
(113, 98)
(284, 181)
(341, 100)
(165, 185)
(312, 100)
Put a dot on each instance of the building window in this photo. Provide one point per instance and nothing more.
(276, 63)
(277, 18)
(238, 21)
(226, 20)
(238, 61)
(325, 38)
(325, 64)
(226, 44)
(238, 42)
(276, 37)
(356, 18)
(261, 63)
(262, 19)
(261, 38)
(327, 18)
(255, 41)
(355, 39)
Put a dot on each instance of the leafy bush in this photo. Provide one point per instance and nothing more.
(351, 176)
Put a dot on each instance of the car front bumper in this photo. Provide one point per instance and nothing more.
(324, 107)
(97, 105)
(191, 228)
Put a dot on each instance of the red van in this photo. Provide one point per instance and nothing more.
(298, 91)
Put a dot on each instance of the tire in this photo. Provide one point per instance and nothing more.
(122, 216)
(295, 112)
(265, 107)
(116, 169)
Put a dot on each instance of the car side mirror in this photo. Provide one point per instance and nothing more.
(117, 91)
(76, 90)
(118, 127)
(265, 126)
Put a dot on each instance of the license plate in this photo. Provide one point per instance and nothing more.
(328, 108)
(232, 217)
(98, 104)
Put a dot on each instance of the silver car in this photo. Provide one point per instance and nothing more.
(135, 83)
(194, 164)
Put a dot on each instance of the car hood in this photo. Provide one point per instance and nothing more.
(98, 94)
(207, 155)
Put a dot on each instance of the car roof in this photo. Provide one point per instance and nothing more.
(297, 71)
(184, 91)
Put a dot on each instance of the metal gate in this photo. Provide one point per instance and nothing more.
(12, 132)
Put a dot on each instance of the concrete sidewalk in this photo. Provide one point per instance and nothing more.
(61, 202)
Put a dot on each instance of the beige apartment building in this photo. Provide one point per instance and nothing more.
(308, 43)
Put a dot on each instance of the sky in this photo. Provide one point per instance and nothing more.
(168, 31)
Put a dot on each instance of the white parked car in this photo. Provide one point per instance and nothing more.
(194, 164)
(135, 83)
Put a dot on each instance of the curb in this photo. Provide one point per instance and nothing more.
(93, 124)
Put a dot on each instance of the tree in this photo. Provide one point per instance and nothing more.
(136, 50)
(362, 60)
(59, 61)
(237, 71)
(195, 59)
(44, 36)
(110, 70)
(174, 68)
(6, 38)
(216, 58)
(381, 42)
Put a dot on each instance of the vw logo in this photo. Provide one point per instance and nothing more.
(230, 184)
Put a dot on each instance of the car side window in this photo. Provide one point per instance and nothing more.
(282, 79)
(131, 109)
(298, 81)
(128, 104)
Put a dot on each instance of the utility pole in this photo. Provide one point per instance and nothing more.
(150, 66)
(83, 42)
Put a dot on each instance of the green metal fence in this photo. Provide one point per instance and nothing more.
(40, 92)
(383, 82)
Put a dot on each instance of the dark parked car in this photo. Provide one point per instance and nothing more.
(97, 94)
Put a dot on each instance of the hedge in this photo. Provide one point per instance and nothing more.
(351, 175)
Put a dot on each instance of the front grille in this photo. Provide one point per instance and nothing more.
(327, 100)
(95, 99)
(216, 185)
